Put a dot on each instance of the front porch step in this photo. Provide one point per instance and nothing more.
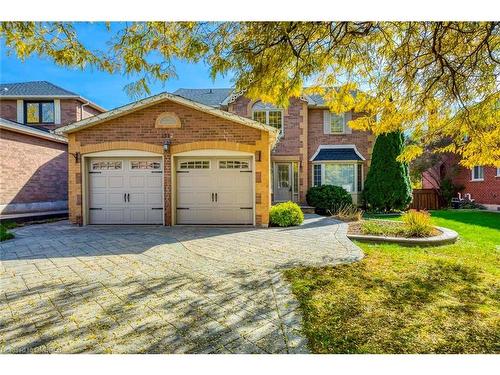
(307, 209)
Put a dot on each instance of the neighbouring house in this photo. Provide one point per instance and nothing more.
(33, 160)
(208, 157)
(481, 182)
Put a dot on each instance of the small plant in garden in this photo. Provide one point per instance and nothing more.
(348, 212)
(328, 198)
(417, 223)
(286, 214)
(382, 228)
(5, 234)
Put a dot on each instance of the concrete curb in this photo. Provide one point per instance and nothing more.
(447, 236)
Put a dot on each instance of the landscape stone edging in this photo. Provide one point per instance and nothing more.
(447, 236)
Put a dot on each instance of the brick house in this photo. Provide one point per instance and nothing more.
(481, 182)
(208, 157)
(33, 160)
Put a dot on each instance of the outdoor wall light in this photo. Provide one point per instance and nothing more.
(166, 143)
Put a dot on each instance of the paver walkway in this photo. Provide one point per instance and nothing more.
(153, 289)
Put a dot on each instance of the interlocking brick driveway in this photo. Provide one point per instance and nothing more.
(135, 289)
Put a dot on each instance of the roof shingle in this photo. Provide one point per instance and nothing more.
(34, 88)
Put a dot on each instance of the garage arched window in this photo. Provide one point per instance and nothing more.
(269, 115)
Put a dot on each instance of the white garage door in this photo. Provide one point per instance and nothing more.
(214, 191)
(125, 191)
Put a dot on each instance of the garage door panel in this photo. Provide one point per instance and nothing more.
(98, 198)
(115, 216)
(153, 181)
(154, 199)
(195, 216)
(138, 215)
(97, 181)
(137, 181)
(137, 198)
(115, 198)
(115, 182)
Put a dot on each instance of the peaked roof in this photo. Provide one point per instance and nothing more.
(30, 130)
(39, 89)
(121, 111)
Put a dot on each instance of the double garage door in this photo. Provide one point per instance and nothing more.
(208, 191)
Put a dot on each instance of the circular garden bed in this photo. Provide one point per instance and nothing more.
(390, 231)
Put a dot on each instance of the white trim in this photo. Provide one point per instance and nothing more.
(329, 147)
(497, 172)
(212, 152)
(121, 111)
(25, 129)
(119, 153)
(20, 111)
(57, 111)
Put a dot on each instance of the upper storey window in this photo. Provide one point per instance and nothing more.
(39, 112)
(269, 115)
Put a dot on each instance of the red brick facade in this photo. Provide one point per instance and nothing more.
(34, 173)
(485, 192)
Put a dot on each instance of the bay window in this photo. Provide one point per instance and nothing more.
(346, 175)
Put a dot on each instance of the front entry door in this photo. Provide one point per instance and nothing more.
(283, 182)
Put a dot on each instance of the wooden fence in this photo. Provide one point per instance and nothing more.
(426, 199)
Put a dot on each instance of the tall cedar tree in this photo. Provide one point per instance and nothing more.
(387, 186)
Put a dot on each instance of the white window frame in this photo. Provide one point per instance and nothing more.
(267, 110)
(473, 177)
(498, 172)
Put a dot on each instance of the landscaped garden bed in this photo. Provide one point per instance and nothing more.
(415, 229)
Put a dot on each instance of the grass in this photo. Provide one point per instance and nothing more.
(4, 233)
(409, 300)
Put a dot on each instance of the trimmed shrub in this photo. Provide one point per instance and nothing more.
(286, 214)
(387, 185)
(328, 198)
(417, 223)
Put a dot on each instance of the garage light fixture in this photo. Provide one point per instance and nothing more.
(166, 143)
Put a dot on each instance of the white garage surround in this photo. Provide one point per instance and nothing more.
(123, 187)
(213, 187)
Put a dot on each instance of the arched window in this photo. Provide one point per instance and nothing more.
(268, 114)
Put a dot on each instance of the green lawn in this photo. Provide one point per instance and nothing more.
(409, 300)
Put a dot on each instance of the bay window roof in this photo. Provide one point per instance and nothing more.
(337, 153)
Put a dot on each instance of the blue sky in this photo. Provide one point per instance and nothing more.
(102, 88)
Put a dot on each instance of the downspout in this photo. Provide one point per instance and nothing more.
(81, 109)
